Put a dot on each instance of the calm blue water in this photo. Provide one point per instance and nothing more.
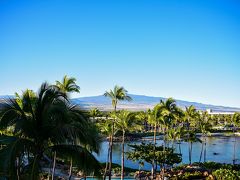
(223, 146)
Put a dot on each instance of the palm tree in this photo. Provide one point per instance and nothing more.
(143, 117)
(68, 85)
(191, 116)
(191, 138)
(116, 95)
(180, 134)
(204, 127)
(169, 113)
(43, 123)
(154, 117)
(172, 135)
(94, 113)
(125, 121)
(106, 129)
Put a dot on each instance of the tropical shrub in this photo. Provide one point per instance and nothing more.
(149, 152)
(189, 175)
(226, 174)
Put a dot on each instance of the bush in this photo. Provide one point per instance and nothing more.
(226, 174)
(188, 175)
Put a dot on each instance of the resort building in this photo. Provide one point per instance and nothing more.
(211, 112)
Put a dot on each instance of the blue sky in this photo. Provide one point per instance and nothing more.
(186, 49)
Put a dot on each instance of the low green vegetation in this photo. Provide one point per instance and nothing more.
(207, 170)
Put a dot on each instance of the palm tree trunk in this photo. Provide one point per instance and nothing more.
(189, 152)
(18, 172)
(164, 151)
(110, 158)
(107, 162)
(200, 158)
(179, 147)
(205, 149)
(123, 141)
(54, 165)
(70, 169)
(111, 144)
(154, 145)
(234, 149)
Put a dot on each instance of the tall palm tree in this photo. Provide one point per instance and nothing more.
(169, 112)
(153, 121)
(191, 138)
(125, 121)
(204, 127)
(116, 95)
(68, 85)
(191, 117)
(180, 134)
(106, 129)
(43, 123)
(155, 116)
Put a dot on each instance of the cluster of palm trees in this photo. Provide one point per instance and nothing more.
(166, 118)
(119, 121)
(46, 127)
(40, 129)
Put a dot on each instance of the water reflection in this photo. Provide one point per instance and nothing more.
(219, 149)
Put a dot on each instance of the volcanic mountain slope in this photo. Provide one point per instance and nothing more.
(142, 102)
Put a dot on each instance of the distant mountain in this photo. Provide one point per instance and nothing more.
(6, 96)
(141, 102)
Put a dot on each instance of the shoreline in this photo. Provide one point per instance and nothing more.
(149, 138)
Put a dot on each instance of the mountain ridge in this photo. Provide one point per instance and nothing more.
(143, 102)
(140, 102)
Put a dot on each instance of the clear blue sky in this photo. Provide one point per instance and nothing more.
(188, 49)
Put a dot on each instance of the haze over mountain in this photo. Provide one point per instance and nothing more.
(142, 102)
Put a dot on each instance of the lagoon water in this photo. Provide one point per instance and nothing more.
(219, 149)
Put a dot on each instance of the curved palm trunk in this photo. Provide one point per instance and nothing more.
(205, 149)
(123, 141)
(110, 158)
(107, 162)
(18, 169)
(200, 158)
(54, 165)
(70, 169)
(234, 149)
